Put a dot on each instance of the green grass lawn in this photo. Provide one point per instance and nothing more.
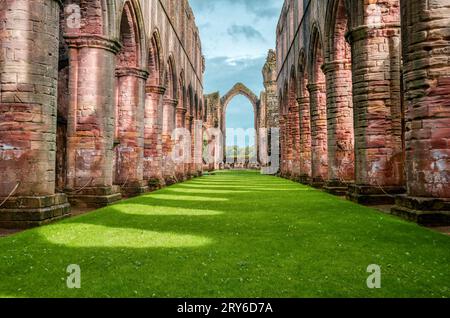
(233, 234)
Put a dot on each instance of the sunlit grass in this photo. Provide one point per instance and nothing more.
(232, 234)
(89, 235)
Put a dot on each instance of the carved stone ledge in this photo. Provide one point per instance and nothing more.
(170, 102)
(367, 31)
(315, 87)
(132, 71)
(94, 41)
(160, 90)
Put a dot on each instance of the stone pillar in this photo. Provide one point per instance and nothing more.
(198, 147)
(169, 106)
(294, 137)
(305, 140)
(129, 168)
(426, 52)
(91, 121)
(377, 111)
(340, 126)
(190, 126)
(152, 137)
(180, 123)
(29, 41)
(319, 147)
(283, 170)
(289, 144)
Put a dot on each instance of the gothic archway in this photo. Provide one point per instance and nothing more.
(240, 89)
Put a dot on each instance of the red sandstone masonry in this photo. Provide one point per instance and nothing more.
(29, 37)
(427, 76)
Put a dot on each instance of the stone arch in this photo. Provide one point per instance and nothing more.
(240, 89)
(155, 67)
(98, 17)
(318, 109)
(316, 55)
(337, 25)
(181, 91)
(132, 36)
(171, 79)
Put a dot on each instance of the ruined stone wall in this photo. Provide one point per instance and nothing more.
(371, 113)
(86, 90)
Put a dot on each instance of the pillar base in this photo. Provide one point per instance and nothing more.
(170, 180)
(156, 184)
(95, 197)
(304, 179)
(317, 183)
(424, 211)
(336, 187)
(373, 195)
(180, 176)
(28, 212)
(134, 189)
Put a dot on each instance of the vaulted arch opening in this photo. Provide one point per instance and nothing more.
(240, 126)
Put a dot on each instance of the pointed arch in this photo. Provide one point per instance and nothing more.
(316, 55)
(240, 89)
(132, 36)
(98, 17)
(171, 79)
(155, 67)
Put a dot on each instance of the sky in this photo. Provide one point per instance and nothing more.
(236, 36)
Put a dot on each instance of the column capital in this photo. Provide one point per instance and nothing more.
(334, 65)
(132, 71)
(78, 41)
(303, 100)
(151, 89)
(181, 111)
(366, 31)
(314, 87)
(170, 102)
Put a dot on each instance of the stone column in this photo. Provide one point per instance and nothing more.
(91, 121)
(294, 136)
(305, 140)
(190, 126)
(283, 170)
(340, 126)
(377, 112)
(426, 52)
(129, 170)
(288, 141)
(319, 147)
(152, 137)
(198, 147)
(180, 123)
(169, 106)
(29, 41)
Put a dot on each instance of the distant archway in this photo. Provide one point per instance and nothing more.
(240, 89)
